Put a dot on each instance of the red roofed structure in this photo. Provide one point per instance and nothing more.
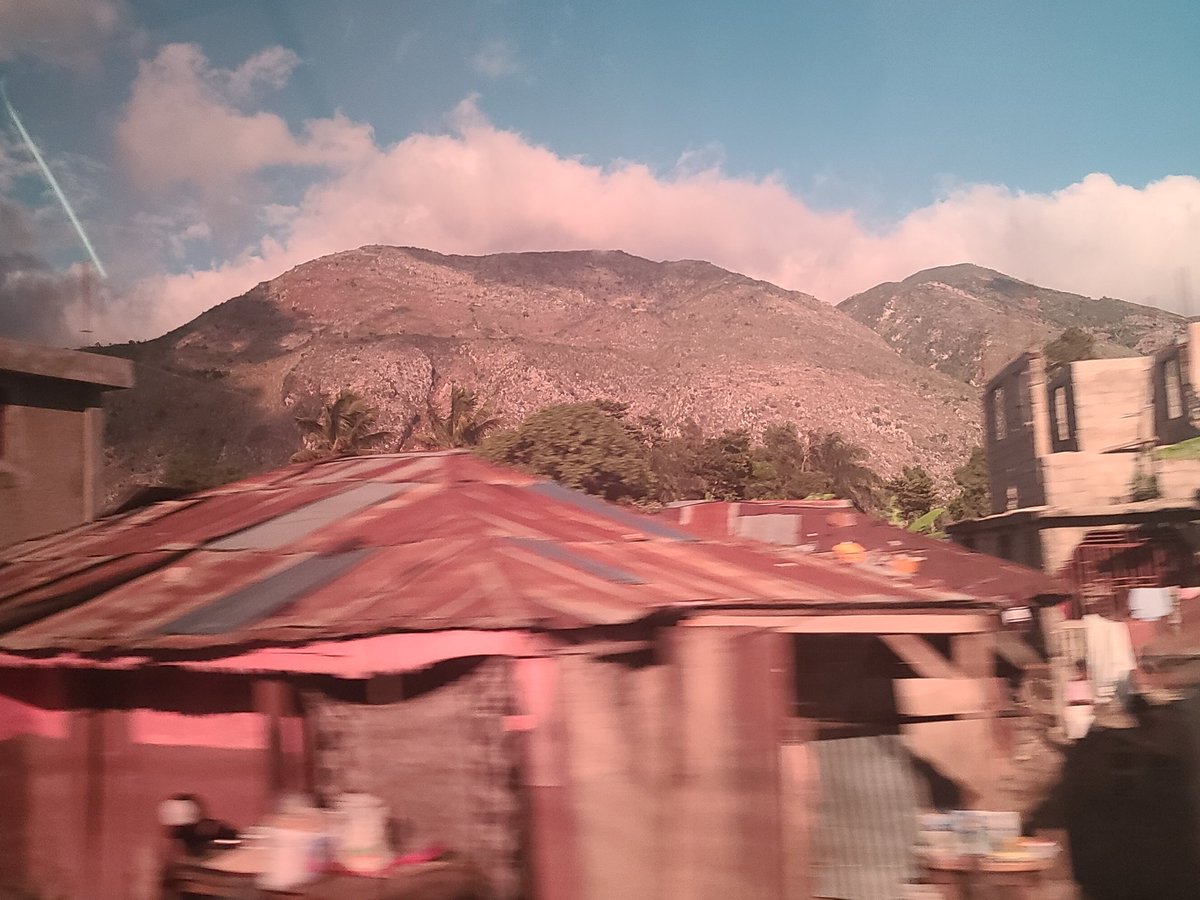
(423, 626)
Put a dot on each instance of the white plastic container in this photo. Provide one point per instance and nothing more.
(361, 832)
(294, 851)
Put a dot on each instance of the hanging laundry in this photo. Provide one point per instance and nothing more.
(1110, 655)
(1150, 604)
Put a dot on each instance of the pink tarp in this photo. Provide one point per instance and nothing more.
(19, 719)
(361, 658)
(230, 731)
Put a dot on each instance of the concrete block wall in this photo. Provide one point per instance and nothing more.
(1113, 402)
(1193, 356)
(48, 474)
(1014, 471)
(1058, 545)
(1178, 479)
(1088, 479)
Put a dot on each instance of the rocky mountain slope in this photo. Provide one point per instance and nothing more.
(966, 321)
(678, 339)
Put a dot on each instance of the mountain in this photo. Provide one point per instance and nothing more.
(683, 340)
(966, 321)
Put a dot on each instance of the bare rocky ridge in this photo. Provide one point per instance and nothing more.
(398, 325)
(966, 321)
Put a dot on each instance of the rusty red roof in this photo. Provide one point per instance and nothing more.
(368, 545)
(816, 526)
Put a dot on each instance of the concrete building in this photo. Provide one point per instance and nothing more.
(1091, 461)
(51, 436)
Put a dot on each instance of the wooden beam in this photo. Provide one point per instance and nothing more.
(948, 696)
(1014, 648)
(921, 657)
(855, 623)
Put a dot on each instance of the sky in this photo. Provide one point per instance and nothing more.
(208, 145)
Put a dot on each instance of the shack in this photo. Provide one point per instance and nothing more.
(587, 701)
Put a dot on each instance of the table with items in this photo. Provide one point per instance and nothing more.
(972, 853)
(304, 852)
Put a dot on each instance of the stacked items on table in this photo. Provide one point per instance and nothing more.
(301, 842)
(979, 833)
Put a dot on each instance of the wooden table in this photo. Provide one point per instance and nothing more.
(215, 877)
(985, 876)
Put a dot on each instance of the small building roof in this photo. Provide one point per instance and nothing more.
(822, 524)
(411, 542)
(65, 365)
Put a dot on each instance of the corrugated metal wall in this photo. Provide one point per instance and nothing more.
(866, 825)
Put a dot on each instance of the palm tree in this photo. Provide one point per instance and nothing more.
(345, 427)
(466, 422)
(845, 464)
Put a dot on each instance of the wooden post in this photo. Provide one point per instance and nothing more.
(553, 839)
(974, 656)
(275, 701)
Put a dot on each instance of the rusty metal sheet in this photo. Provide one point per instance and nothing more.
(446, 541)
(260, 600)
(945, 567)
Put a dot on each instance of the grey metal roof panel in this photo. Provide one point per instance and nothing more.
(637, 522)
(559, 553)
(264, 598)
(300, 523)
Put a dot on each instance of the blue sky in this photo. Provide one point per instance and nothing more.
(915, 131)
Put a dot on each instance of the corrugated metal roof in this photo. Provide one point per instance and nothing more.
(257, 601)
(353, 547)
(819, 525)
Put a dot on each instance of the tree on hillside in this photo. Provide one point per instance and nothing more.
(725, 466)
(466, 422)
(344, 427)
(913, 493)
(673, 459)
(579, 445)
(1072, 345)
(844, 464)
(781, 467)
(972, 500)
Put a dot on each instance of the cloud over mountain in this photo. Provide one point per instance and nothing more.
(478, 188)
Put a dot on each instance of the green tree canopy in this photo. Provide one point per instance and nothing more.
(344, 427)
(971, 501)
(1072, 345)
(844, 464)
(783, 466)
(913, 493)
(579, 445)
(466, 422)
(725, 467)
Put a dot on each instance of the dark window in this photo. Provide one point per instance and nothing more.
(999, 420)
(3, 421)
(1005, 548)
(1062, 415)
(1173, 385)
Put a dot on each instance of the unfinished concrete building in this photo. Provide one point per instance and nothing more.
(1094, 468)
(51, 436)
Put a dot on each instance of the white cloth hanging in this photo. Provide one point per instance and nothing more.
(1110, 655)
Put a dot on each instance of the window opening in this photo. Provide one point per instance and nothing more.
(1174, 390)
(1062, 421)
(999, 422)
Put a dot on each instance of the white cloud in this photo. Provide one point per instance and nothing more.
(269, 68)
(64, 32)
(182, 127)
(497, 58)
(481, 189)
